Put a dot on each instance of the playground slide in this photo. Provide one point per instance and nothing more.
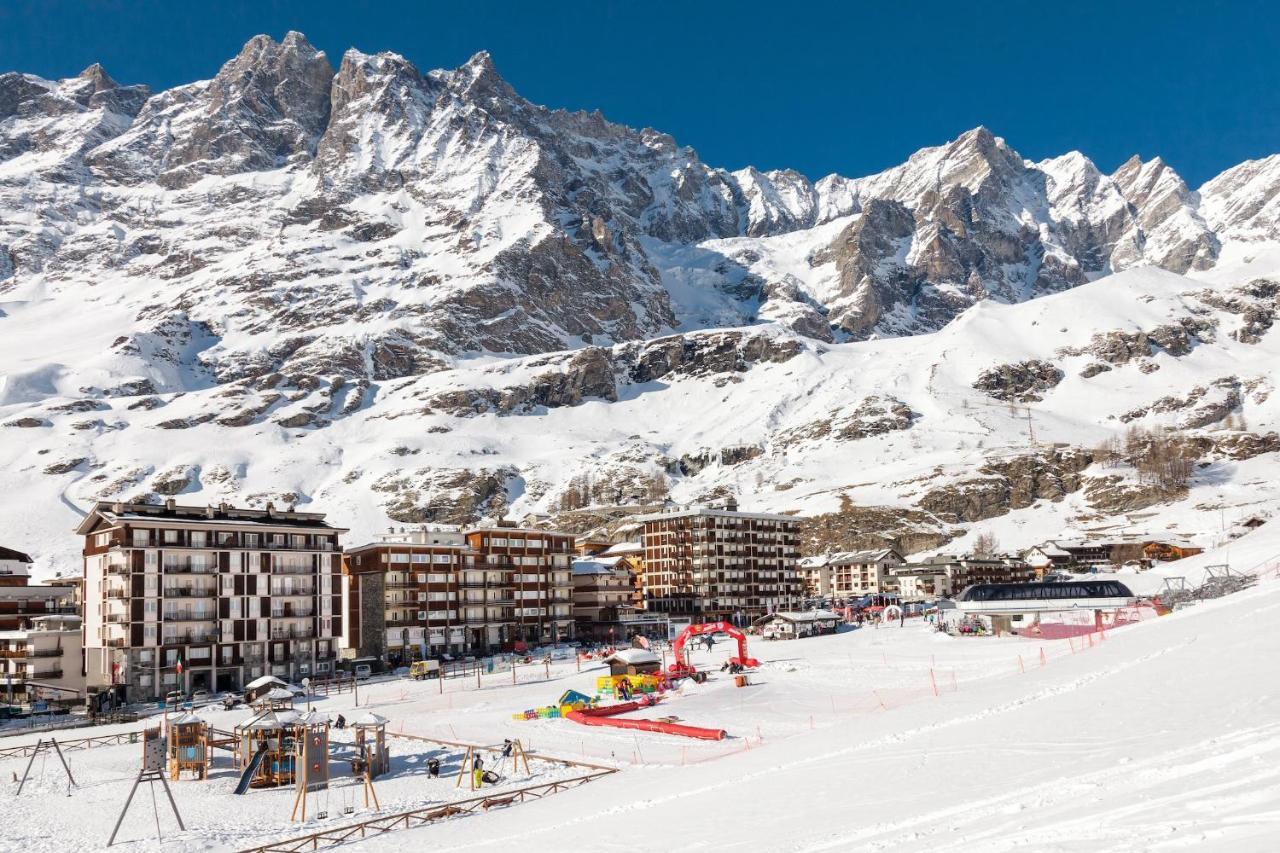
(254, 764)
(604, 717)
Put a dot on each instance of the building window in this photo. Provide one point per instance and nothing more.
(250, 540)
(171, 537)
(141, 538)
(197, 539)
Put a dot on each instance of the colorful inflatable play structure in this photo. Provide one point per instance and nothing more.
(570, 700)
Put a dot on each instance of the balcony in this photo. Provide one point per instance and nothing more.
(294, 634)
(293, 592)
(292, 570)
(55, 672)
(292, 613)
(117, 593)
(190, 592)
(185, 638)
(117, 618)
(188, 567)
(118, 568)
(13, 653)
(190, 616)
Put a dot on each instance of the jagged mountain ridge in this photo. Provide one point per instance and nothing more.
(281, 253)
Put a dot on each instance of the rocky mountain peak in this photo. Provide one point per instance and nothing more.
(478, 77)
(264, 108)
(98, 75)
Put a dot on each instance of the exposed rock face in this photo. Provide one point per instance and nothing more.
(445, 496)
(858, 527)
(1022, 382)
(875, 415)
(594, 372)
(1009, 484)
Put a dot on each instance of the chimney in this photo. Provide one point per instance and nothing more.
(208, 511)
(117, 507)
(170, 504)
(271, 508)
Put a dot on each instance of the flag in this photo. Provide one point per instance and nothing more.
(179, 664)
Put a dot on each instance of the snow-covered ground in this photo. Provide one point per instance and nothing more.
(1161, 736)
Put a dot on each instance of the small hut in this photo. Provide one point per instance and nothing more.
(188, 748)
(273, 734)
(371, 743)
(634, 661)
(261, 686)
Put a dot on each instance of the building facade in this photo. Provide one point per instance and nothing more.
(719, 564)
(187, 598)
(858, 573)
(603, 597)
(815, 577)
(426, 593)
(42, 660)
(15, 567)
(947, 576)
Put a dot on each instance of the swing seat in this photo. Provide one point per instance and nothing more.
(348, 809)
(322, 815)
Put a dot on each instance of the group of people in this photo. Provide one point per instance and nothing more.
(479, 776)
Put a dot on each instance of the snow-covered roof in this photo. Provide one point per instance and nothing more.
(869, 556)
(624, 548)
(264, 681)
(369, 719)
(596, 566)
(807, 616)
(633, 656)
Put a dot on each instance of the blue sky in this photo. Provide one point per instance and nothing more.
(819, 87)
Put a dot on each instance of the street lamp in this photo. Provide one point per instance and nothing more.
(306, 685)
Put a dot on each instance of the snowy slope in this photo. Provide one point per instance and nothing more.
(1161, 736)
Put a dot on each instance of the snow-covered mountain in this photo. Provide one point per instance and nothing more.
(412, 296)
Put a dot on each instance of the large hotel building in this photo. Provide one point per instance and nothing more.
(714, 563)
(187, 597)
(427, 592)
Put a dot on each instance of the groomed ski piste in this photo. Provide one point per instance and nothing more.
(1162, 735)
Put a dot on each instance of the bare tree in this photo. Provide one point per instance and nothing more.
(985, 544)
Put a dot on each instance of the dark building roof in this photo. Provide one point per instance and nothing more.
(10, 554)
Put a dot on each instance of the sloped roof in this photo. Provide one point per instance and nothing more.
(10, 554)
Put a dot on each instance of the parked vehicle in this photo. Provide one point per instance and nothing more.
(421, 669)
(201, 696)
(363, 670)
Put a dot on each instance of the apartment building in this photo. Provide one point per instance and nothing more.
(603, 597)
(717, 563)
(946, 576)
(429, 592)
(815, 577)
(189, 597)
(42, 660)
(857, 573)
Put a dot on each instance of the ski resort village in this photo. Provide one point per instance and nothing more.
(389, 462)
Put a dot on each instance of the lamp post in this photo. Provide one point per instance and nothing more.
(306, 685)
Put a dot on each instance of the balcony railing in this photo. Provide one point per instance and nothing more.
(55, 672)
(190, 616)
(117, 618)
(302, 634)
(117, 593)
(292, 570)
(189, 568)
(44, 653)
(190, 592)
(288, 613)
(13, 653)
(118, 568)
(186, 638)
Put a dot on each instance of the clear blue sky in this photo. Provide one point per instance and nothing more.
(819, 87)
